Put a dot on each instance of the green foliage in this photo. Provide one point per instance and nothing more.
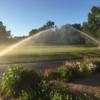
(73, 71)
(86, 68)
(26, 95)
(97, 64)
(68, 72)
(4, 33)
(62, 71)
(26, 84)
(44, 90)
(17, 79)
(33, 31)
(64, 94)
(49, 24)
(92, 27)
(77, 26)
(58, 94)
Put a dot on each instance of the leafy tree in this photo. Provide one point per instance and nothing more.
(33, 31)
(47, 25)
(50, 24)
(77, 26)
(4, 34)
(92, 26)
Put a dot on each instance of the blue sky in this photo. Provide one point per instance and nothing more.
(20, 16)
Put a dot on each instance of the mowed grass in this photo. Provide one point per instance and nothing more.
(25, 54)
(27, 50)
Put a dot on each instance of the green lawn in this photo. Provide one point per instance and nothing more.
(49, 50)
(41, 53)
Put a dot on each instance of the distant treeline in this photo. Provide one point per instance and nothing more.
(91, 27)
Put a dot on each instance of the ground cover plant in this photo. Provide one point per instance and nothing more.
(75, 70)
(17, 79)
(22, 83)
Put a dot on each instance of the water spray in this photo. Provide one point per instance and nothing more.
(7, 50)
(86, 35)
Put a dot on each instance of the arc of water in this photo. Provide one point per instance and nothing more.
(86, 35)
(5, 51)
(2, 53)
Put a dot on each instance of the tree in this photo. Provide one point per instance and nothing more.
(77, 26)
(47, 25)
(92, 26)
(4, 34)
(50, 24)
(33, 31)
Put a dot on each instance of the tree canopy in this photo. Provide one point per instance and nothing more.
(33, 31)
(92, 26)
(4, 33)
(77, 26)
(49, 24)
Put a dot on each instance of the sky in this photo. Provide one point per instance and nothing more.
(21, 16)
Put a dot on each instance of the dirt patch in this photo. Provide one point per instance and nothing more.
(90, 84)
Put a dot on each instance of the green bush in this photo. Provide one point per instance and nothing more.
(64, 94)
(68, 72)
(25, 84)
(26, 95)
(72, 71)
(17, 79)
(97, 64)
(86, 68)
(44, 90)
(60, 94)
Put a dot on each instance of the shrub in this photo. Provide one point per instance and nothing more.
(97, 63)
(72, 71)
(44, 90)
(17, 79)
(86, 68)
(68, 73)
(24, 83)
(64, 94)
(59, 93)
(26, 95)
(62, 72)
